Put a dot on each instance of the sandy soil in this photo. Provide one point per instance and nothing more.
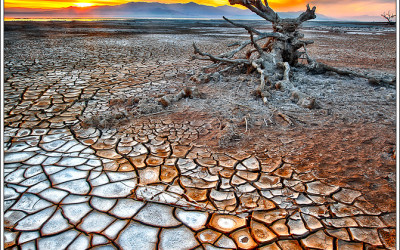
(349, 140)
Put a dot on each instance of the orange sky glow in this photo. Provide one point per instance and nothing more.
(338, 8)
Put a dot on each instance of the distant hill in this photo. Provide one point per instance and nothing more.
(145, 10)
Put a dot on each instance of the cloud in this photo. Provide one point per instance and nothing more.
(337, 8)
(366, 2)
(54, 4)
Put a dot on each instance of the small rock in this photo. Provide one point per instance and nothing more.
(373, 81)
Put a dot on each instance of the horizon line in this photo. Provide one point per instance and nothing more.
(12, 12)
(10, 19)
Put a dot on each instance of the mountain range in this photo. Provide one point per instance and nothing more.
(145, 10)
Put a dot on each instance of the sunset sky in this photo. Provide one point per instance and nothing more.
(337, 8)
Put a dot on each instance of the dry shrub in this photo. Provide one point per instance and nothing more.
(230, 136)
(104, 120)
(123, 102)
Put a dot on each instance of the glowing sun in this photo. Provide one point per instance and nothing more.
(83, 4)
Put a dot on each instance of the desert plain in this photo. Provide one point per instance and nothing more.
(94, 159)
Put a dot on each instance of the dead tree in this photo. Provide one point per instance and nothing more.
(280, 52)
(388, 16)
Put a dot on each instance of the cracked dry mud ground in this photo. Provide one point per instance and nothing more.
(164, 180)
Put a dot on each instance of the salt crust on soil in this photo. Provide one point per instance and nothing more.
(343, 130)
(347, 141)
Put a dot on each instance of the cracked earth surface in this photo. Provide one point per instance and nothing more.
(159, 181)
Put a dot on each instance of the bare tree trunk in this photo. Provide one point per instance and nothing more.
(285, 46)
(273, 60)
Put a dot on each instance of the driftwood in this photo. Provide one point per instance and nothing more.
(187, 92)
(281, 51)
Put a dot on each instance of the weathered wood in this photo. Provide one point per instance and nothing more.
(250, 29)
(219, 59)
(273, 60)
(320, 68)
(259, 8)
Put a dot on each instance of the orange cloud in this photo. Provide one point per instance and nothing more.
(356, 8)
(54, 4)
(50, 4)
(337, 8)
(287, 5)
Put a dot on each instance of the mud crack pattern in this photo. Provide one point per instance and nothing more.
(149, 184)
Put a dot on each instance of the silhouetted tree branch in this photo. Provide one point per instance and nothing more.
(388, 16)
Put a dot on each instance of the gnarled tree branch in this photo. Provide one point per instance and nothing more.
(259, 8)
(220, 59)
(274, 60)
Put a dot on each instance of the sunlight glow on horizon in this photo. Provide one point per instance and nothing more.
(83, 5)
(46, 4)
(339, 8)
(279, 5)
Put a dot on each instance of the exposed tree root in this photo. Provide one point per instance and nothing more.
(274, 59)
(319, 68)
(285, 118)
